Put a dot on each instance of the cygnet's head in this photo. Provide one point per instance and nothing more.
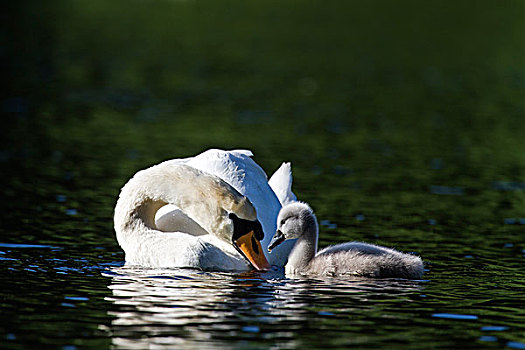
(293, 221)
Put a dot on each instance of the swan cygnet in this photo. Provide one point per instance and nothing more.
(297, 220)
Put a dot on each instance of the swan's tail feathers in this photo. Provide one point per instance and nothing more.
(281, 184)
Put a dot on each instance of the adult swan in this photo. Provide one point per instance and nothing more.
(214, 210)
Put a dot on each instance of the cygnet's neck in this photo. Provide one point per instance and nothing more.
(305, 248)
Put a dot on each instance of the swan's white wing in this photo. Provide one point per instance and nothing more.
(170, 218)
(235, 167)
(240, 152)
(281, 184)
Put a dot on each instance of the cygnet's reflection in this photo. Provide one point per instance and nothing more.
(184, 308)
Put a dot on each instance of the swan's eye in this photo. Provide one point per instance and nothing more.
(282, 222)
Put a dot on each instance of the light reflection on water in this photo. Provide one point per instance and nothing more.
(167, 307)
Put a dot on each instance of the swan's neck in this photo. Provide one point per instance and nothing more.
(205, 198)
(305, 248)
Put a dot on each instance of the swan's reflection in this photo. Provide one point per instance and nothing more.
(166, 308)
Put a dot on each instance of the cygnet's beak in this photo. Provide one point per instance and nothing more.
(277, 239)
(252, 250)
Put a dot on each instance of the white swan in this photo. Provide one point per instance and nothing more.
(194, 226)
(297, 220)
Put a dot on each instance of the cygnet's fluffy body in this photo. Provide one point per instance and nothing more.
(297, 220)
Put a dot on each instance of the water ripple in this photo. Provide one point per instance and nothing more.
(200, 305)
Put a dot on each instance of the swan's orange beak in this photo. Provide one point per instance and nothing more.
(252, 250)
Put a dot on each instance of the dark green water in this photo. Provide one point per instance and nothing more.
(404, 123)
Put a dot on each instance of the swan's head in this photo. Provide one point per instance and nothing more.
(245, 231)
(246, 238)
(293, 221)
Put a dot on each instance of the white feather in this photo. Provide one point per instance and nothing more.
(281, 184)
